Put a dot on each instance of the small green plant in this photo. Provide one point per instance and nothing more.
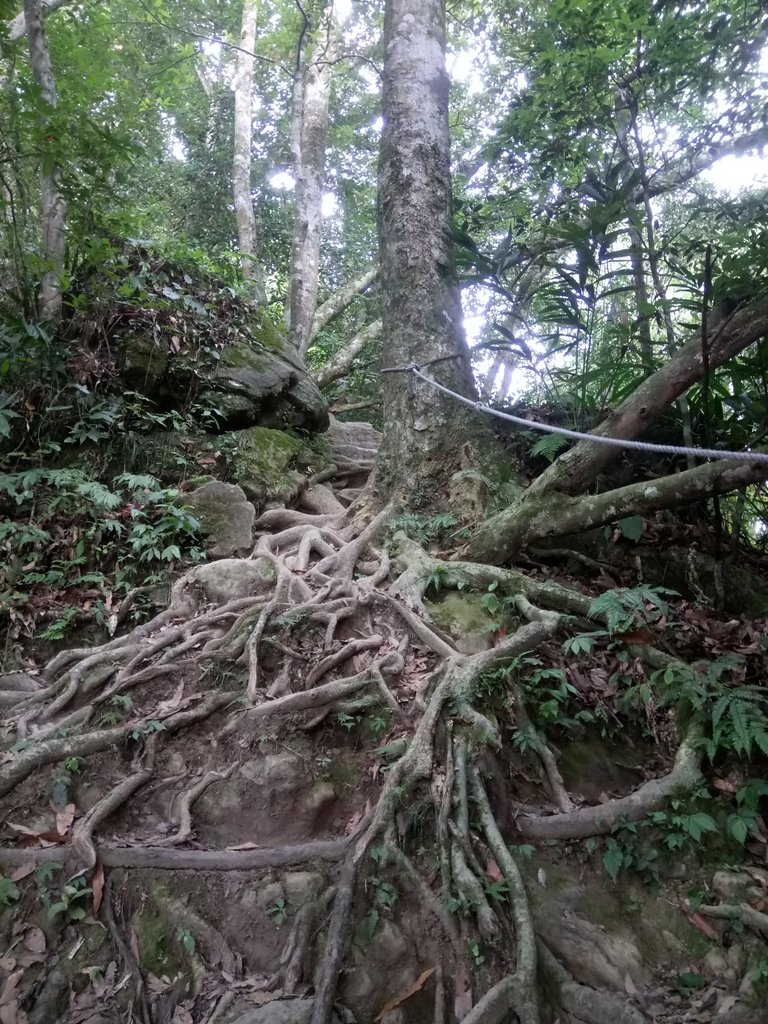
(278, 911)
(624, 609)
(745, 819)
(187, 939)
(476, 953)
(71, 899)
(9, 891)
(141, 732)
(549, 446)
(760, 975)
(74, 765)
(626, 848)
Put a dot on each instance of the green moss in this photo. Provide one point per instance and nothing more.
(156, 946)
(462, 615)
(265, 456)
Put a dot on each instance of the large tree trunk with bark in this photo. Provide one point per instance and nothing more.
(54, 207)
(421, 316)
(241, 163)
(309, 131)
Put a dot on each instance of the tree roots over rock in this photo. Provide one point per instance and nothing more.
(315, 629)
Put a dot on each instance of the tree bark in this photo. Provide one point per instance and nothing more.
(17, 27)
(241, 162)
(54, 207)
(421, 315)
(311, 124)
(338, 302)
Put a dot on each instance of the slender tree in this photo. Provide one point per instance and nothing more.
(54, 207)
(242, 158)
(309, 132)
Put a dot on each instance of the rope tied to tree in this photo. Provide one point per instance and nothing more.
(577, 435)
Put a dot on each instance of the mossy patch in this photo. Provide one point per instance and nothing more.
(464, 617)
(158, 949)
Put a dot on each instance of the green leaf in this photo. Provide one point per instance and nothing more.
(613, 858)
(632, 527)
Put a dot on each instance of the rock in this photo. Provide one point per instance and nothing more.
(13, 685)
(383, 967)
(321, 500)
(226, 518)
(715, 966)
(278, 772)
(731, 885)
(302, 887)
(282, 1011)
(268, 896)
(144, 363)
(263, 462)
(320, 796)
(462, 615)
(272, 387)
(230, 579)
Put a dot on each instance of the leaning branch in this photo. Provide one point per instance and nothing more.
(340, 299)
(536, 520)
(341, 362)
(574, 471)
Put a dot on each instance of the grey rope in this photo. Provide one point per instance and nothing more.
(618, 442)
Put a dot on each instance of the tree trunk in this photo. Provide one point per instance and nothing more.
(421, 315)
(241, 163)
(54, 208)
(311, 127)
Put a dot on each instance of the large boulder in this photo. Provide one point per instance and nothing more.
(270, 387)
(226, 518)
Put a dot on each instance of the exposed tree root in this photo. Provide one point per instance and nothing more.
(749, 917)
(184, 831)
(584, 1003)
(315, 597)
(651, 796)
(336, 942)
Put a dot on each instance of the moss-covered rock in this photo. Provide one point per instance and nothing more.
(264, 461)
(462, 615)
(144, 361)
(226, 518)
(271, 385)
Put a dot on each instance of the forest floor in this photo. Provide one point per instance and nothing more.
(308, 787)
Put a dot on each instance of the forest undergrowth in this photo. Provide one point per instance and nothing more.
(328, 621)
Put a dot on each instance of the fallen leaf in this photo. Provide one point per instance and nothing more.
(165, 706)
(704, 927)
(492, 870)
(410, 991)
(64, 819)
(244, 846)
(97, 884)
(23, 871)
(34, 939)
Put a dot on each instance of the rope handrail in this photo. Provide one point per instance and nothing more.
(547, 428)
